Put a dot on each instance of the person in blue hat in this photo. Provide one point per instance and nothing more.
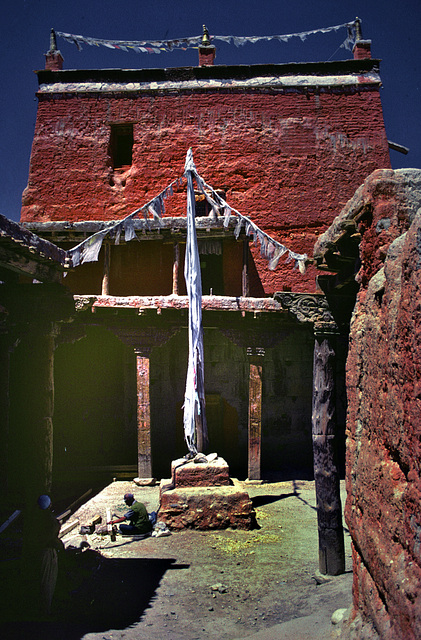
(45, 538)
(139, 521)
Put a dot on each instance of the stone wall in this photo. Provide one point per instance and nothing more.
(383, 510)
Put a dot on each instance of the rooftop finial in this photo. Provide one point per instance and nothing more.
(207, 50)
(205, 39)
(362, 48)
(358, 32)
(53, 41)
(53, 57)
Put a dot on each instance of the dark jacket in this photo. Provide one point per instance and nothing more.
(138, 517)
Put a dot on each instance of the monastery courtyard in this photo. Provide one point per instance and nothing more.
(196, 585)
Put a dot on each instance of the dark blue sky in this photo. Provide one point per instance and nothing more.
(394, 28)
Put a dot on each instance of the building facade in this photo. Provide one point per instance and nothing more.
(285, 145)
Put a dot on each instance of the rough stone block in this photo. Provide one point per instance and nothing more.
(205, 507)
(192, 474)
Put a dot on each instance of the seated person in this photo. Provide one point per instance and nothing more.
(138, 517)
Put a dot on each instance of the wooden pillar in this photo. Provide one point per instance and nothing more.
(200, 439)
(41, 409)
(105, 289)
(255, 413)
(326, 475)
(142, 342)
(35, 455)
(245, 271)
(175, 268)
(144, 451)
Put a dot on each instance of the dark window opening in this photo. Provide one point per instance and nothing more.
(121, 145)
(203, 208)
(211, 267)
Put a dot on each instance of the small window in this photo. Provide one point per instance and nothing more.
(203, 208)
(121, 145)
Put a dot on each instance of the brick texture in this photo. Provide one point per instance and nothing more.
(289, 160)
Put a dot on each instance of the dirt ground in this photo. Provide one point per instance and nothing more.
(191, 585)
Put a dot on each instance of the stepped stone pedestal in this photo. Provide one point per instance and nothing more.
(201, 495)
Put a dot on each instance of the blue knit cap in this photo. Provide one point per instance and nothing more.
(44, 502)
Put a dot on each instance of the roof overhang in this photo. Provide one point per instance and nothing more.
(23, 252)
(305, 76)
(151, 229)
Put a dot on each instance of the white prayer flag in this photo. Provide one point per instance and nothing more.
(194, 398)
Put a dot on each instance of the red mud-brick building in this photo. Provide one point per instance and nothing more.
(286, 145)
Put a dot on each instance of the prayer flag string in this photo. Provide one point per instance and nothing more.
(157, 46)
(270, 249)
(88, 250)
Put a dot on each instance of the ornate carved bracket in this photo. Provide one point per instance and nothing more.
(306, 307)
(309, 308)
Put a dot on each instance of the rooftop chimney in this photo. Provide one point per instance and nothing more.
(53, 58)
(362, 48)
(207, 50)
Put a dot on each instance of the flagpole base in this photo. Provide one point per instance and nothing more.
(201, 495)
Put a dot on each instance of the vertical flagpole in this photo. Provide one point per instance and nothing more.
(195, 430)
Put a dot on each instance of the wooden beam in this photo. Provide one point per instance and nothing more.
(9, 520)
(69, 526)
(28, 265)
(398, 147)
(19, 238)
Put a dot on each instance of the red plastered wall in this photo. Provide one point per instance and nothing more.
(288, 161)
(383, 428)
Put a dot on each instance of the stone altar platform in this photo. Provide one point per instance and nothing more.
(201, 495)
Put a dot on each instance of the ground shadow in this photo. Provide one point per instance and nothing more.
(259, 501)
(94, 594)
(297, 495)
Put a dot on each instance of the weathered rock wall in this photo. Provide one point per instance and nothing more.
(383, 509)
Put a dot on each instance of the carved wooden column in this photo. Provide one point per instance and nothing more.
(255, 355)
(326, 474)
(245, 270)
(144, 451)
(105, 287)
(143, 340)
(175, 269)
(267, 337)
